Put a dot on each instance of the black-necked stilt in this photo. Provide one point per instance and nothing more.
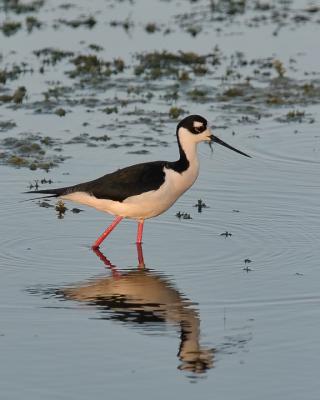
(144, 190)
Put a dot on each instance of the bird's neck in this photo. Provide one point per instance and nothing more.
(188, 154)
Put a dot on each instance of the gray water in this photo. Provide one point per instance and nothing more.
(197, 320)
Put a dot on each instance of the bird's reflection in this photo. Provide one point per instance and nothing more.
(142, 296)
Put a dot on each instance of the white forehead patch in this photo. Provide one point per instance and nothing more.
(197, 124)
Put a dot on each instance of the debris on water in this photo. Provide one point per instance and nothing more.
(151, 27)
(60, 208)
(82, 138)
(17, 96)
(61, 112)
(17, 161)
(88, 22)
(172, 94)
(200, 205)
(236, 211)
(94, 67)
(246, 267)
(278, 66)
(157, 64)
(296, 116)
(102, 138)
(9, 28)
(45, 181)
(50, 55)
(233, 92)
(193, 30)
(7, 125)
(45, 204)
(183, 215)
(197, 94)
(95, 47)
(87, 64)
(183, 76)
(298, 274)
(32, 23)
(245, 119)
(34, 185)
(140, 152)
(274, 100)
(127, 24)
(76, 210)
(24, 7)
(176, 112)
(110, 110)
(226, 234)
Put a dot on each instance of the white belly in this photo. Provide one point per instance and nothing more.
(145, 205)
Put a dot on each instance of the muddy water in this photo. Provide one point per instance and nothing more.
(226, 303)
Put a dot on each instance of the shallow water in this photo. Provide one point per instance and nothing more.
(197, 320)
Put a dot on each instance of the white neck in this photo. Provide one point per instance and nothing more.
(189, 146)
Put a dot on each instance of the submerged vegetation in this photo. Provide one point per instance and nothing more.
(17, 96)
(147, 86)
(9, 28)
(95, 67)
(156, 64)
(31, 151)
(176, 112)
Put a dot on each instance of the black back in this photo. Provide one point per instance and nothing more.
(125, 182)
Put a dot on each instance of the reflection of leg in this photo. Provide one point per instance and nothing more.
(140, 231)
(106, 232)
(107, 263)
(140, 256)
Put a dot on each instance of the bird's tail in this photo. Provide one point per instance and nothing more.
(48, 193)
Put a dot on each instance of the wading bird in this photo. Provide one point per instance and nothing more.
(148, 189)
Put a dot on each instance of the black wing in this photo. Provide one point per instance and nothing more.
(118, 185)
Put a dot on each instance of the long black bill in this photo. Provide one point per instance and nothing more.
(217, 140)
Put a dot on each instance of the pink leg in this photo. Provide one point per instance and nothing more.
(110, 228)
(140, 231)
(140, 256)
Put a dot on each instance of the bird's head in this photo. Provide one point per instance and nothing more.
(194, 129)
